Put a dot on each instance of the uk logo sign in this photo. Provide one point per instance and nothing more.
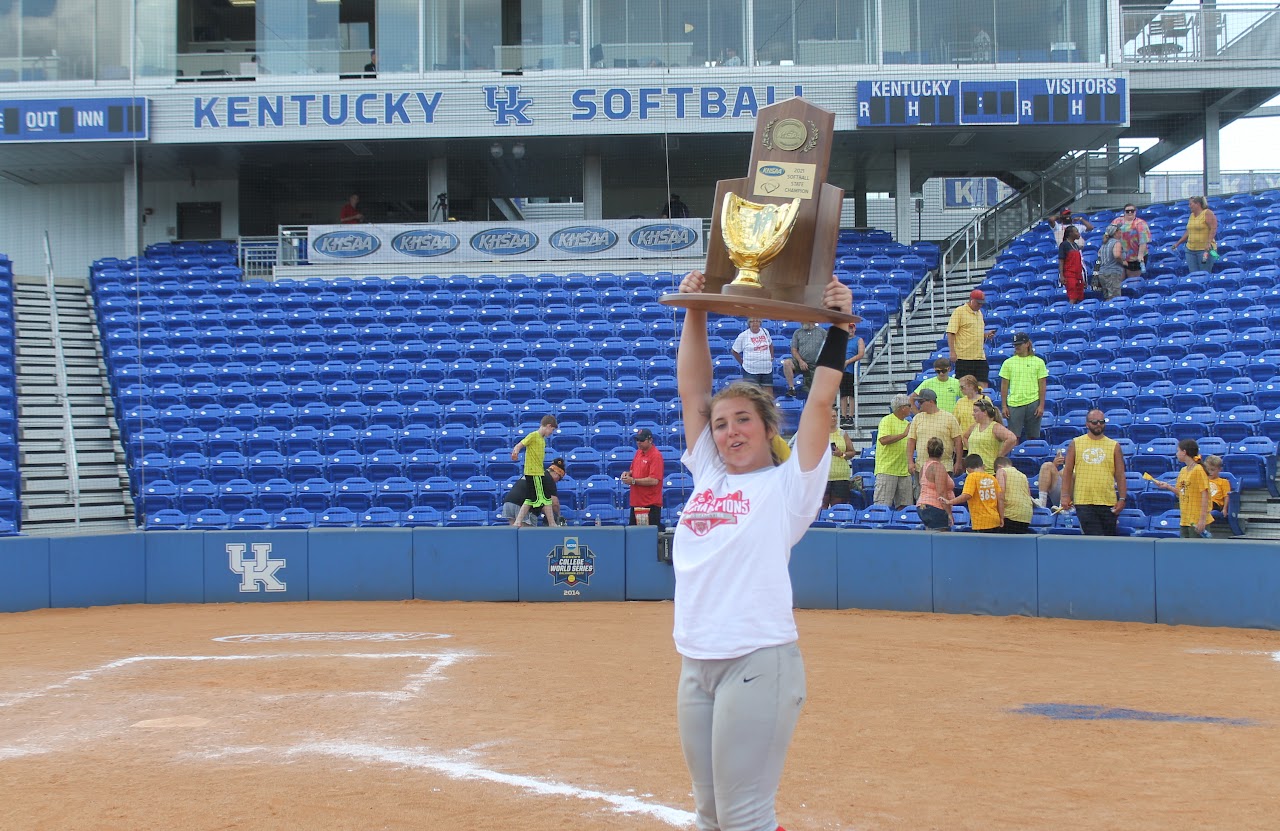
(507, 105)
(258, 569)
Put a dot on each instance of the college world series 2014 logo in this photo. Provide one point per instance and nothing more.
(571, 563)
(259, 568)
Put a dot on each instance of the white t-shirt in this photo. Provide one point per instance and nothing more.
(754, 348)
(733, 590)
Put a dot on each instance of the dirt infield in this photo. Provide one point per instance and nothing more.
(559, 716)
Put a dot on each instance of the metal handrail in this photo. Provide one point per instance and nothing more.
(60, 377)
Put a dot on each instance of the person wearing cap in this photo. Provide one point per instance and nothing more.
(645, 479)
(929, 423)
(1023, 378)
(967, 336)
(893, 480)
(520, 492)
(1058, 224)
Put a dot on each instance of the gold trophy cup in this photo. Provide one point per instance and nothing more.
(754, 234)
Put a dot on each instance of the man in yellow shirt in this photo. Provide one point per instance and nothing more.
(1093, 478)
(1017, 497)
(893, 482)
(930, 422)
(966, 338)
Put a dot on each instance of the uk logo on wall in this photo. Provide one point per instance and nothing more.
(507, 105)
(571, 563)
(257, 573)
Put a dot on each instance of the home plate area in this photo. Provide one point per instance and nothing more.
(362, 702)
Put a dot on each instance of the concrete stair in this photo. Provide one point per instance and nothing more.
(62, 436)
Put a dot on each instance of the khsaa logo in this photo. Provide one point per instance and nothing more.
(662, 237)
(584, 239)
(345, 244)
(504, 242)
(772, 170)
(424, 242)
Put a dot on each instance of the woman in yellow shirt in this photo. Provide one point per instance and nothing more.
(988, 437)
(1200, 236)
(1192, 489)
(970, 394)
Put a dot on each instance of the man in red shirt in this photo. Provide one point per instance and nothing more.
(350, 214)
(645, 479)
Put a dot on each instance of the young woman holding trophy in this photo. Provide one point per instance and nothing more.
(742, 680)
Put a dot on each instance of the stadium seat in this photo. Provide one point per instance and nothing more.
(251, 519)
(336, 517)
(168, 519)
(379, 517)
(421, 516)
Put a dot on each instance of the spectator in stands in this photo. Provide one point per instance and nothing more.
(753, 350)
(1201, 236)
(987, 437)
(519, 492)
(927, 424)
(806, 343)
(1017, 497)
(1135, 237)
(1093, 478)
(534, 447)
(734, 628)
(1023, 379)
(372, 66)
(1108, 271)
(849, 383)
(1219, 488)
(966, 338)
(1192, 489)
(947, 388)
(936, 490)
(731, 57)
(970, 394)
(983, 496)
(893, 479)
(1059, 222)
(674, 208)
(839, 479)
(645, 479)
(1071, 265)
(1049, 481)
(350, 214)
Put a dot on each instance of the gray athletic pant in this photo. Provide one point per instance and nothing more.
(736, 720)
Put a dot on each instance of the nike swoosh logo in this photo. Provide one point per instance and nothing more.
(749, 680)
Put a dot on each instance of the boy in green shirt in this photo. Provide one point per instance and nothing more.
(534, 446)
(947, 388)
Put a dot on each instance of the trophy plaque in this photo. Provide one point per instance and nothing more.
(773, 234)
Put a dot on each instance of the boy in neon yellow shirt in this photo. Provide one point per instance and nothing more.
(534, 446)
(946, 387)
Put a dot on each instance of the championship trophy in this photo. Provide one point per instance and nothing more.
(773, 234)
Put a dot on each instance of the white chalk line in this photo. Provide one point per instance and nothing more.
(453, 768)
(439, 662)
(457, 769)
(329, 637)
(1275, 656)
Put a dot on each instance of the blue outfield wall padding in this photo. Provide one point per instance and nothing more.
(360, 563)
(97, 570)
(24, 566)
(255, 566)
(1097, 578)
(1206, 583)
(813, 569)
(466, 564)
(586, 563)
(647, 578)
(890, 570)
(986, 574)
(175, 566)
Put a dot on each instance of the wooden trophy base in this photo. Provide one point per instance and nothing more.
(765, 308)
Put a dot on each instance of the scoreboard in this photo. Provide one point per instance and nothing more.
(950, 102)
(73, 119)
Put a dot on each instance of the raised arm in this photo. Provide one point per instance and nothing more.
(693, 364)
(815, 420)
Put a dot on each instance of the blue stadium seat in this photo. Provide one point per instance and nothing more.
(251, 519)
(336, 517)
(167, 519)
(379, 517)
(275, 495)
(465, 516)
(313, 494)
(421, 516)
(209, 519)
